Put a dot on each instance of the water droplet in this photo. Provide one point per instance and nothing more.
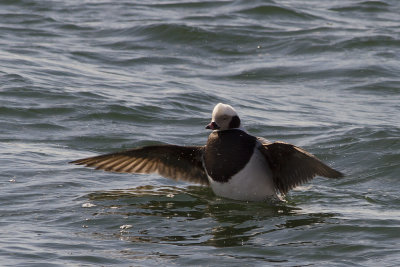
(126, 226)
(88, 205)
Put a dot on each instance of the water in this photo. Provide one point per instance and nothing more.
(78, 78)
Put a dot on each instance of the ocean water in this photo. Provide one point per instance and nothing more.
(79, 78)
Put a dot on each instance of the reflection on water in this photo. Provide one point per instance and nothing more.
(163, 215)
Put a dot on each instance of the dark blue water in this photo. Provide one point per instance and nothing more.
(79, 78)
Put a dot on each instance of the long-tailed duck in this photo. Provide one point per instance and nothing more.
(234, 163)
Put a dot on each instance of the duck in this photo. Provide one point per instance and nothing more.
(234, 163)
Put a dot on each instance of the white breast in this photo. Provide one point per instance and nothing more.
(253, 183)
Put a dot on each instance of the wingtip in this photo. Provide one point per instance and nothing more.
(76, 162)
(337, 175)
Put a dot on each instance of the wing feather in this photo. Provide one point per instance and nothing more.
(292, 165)
(176, 162)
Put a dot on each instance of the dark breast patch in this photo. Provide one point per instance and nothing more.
(227, 152)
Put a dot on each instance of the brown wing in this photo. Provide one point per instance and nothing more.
(176, 162)
(292, 166)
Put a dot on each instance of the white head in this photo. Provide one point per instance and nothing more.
(224, 117)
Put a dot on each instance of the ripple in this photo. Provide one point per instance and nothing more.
(280, 12)
(366, 6)
(369, 42)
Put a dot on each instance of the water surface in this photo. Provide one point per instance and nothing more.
(78, 78)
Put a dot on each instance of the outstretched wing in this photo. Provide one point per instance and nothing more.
(292, 166)
(176, 162)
